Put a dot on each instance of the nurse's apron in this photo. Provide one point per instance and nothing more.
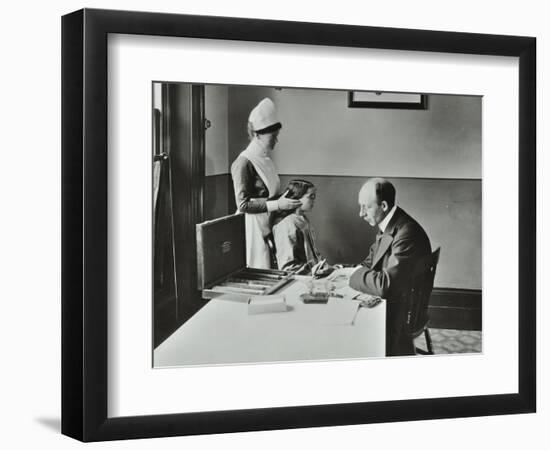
(257, 225)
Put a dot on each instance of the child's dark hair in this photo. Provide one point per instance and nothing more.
(298, 188)
(295, 189)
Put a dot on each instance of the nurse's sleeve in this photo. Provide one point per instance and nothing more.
(244, 177)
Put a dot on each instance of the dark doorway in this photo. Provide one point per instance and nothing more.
(178, 191)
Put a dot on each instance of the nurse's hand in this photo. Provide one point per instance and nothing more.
(288, 203)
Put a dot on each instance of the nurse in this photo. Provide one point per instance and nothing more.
(256, 183)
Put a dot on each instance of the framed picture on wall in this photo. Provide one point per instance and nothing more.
(389, 100)
(337, 200)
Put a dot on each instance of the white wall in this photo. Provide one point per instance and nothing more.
(157, 96)
(30, 267)
(322, 135)
(216, 137)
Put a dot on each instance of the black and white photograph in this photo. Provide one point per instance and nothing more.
(275, 225)
(301, 224)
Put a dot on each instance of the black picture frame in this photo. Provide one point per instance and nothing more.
(84, 224)
(354, 101)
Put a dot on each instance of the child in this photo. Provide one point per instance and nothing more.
(294, 239)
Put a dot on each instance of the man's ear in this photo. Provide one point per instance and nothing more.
(385, 206)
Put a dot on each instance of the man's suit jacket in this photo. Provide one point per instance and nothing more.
(386, 273)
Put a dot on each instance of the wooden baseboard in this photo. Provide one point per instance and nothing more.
(458, 309)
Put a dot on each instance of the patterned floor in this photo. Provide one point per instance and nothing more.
(452, 341)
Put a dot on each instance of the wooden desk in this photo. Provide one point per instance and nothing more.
(223, 332)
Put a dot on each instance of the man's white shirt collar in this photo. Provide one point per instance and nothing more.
(382, 225)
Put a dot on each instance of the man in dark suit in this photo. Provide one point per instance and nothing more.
(400, 243)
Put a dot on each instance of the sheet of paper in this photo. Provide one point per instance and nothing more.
(340, 277)
(340, 284)
(347, 292)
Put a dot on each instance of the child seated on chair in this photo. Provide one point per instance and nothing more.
(294, 238)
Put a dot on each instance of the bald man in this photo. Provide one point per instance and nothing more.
(400, 243)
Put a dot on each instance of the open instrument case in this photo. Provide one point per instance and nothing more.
(221, 260)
